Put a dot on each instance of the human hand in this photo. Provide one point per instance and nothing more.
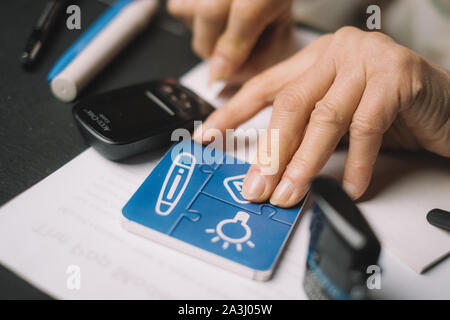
(241, 37)
(355, 82)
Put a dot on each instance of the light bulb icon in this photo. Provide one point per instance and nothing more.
(241, 219)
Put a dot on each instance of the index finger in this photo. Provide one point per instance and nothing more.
(290, 115)
(260, 91)
(328, 122)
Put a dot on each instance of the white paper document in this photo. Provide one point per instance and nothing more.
(72, 218)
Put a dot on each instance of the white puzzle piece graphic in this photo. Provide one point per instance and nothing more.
(234, 188)
(205, 215)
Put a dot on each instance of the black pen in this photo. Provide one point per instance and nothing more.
(439, 218)
(41, 32)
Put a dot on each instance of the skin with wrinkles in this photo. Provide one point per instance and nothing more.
(352, 85)
(352, 82)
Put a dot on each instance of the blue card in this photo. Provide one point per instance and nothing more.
(192, 200)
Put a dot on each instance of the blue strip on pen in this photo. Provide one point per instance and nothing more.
(86, 38)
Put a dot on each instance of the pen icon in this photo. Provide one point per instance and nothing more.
(175, 183)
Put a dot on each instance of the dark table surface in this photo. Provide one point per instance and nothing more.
(37, 132)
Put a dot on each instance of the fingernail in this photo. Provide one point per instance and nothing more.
(282, 193)
(219, 68)
(254, 187)
(350, 189)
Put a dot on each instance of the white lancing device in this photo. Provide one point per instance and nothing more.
(102, 49)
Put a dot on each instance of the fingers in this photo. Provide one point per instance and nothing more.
(374, 115)
(183, 10)
(290, 115)
(260, 91)
(246, 22)
(276, 44)
(255, 95)
(209, 23)
(329, 121)
(228, 29)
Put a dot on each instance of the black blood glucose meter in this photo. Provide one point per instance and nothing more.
(342, 245)
(124, 122)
